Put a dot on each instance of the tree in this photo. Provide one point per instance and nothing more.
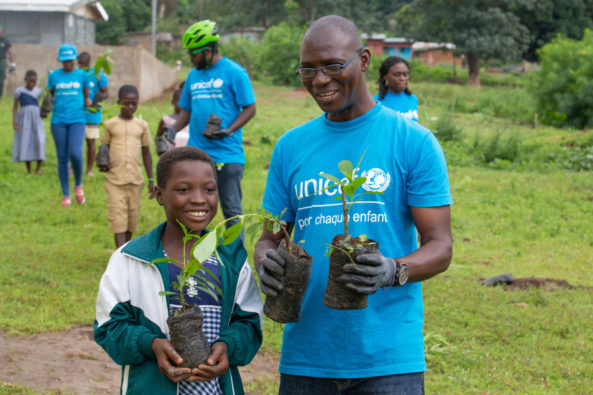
(545, 19)
(111, 32)
(480, 29)
(124, 16)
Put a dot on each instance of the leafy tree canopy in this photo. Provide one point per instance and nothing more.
(480, 29)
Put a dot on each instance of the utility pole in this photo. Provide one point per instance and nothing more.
(154, 8)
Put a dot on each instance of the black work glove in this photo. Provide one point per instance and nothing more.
(12, 67)
(169, 132)
(371, 272)
(271, 273)
(218, 134)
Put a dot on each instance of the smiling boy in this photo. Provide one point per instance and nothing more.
(131, 318)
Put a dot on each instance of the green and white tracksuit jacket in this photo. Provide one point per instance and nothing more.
(131, 313)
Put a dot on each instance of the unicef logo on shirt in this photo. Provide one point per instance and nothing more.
(76, 85)
(377, 180)
(217, 83)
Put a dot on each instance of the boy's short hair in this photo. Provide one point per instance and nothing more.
(84, 57)
(126, 90)
(30, 73)
(176, 155)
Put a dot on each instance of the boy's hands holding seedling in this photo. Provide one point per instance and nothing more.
(167, 358)
(218, 363)
(369, 273)
(271, 273)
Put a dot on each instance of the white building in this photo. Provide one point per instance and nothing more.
(51, 22)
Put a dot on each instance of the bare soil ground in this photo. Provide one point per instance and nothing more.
(547, 284)
(71, 362)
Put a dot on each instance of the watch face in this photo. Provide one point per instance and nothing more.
(403, 275)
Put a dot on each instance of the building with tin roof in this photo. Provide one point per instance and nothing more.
(51, 22)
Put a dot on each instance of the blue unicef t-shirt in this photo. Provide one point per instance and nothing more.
(223, 89)
(94, 118)
(404, 104)
(404, 161)
(69, 96)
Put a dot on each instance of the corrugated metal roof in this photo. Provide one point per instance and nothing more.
(50, 5)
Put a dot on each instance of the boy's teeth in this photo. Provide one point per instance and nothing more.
(197, 213)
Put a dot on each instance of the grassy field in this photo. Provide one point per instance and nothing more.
(519, 208)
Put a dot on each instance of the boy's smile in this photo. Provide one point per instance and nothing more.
(190, 195)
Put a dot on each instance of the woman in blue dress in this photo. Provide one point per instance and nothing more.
(394, 93)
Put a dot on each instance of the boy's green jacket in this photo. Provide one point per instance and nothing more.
(130, 313)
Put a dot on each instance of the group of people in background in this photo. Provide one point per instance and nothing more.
(379, 349)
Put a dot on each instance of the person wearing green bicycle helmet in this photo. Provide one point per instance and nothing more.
(217, 101)
(198, 38)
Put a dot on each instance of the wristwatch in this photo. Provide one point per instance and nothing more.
(401, 273)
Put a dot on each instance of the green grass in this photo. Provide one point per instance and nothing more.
(530, 217)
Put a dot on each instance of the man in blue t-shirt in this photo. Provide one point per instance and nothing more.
(217, 100)
(97, 84)
(378, 349)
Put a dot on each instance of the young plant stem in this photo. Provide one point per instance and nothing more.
(286, 237)
(345, 206)
(181, 297)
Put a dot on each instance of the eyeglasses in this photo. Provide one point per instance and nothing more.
(307, 73)
(195, 51)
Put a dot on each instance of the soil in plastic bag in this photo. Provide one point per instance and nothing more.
(187, 337)
(337, 296)
(212, 125)
(286, 307)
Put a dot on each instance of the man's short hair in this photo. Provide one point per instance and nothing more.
(176, 155)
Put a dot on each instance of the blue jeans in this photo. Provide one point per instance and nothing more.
(68, 139)
(229, 190)
(396, 384)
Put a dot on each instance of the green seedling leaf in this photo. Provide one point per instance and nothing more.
(204, 248)
(193, 267)
(357, 182)
(165, 293)
(331, 178)
(349, 190)
(276, 227)
(206, 270)
(346, 168)
(232, 233)
(209, 292)
(166, 260)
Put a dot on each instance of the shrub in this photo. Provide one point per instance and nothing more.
(497, 147)
(279, 56)
(446, 130)
(564, 83)
(243, 51)
(170, 56)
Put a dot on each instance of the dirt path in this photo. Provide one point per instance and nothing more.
(71, 362)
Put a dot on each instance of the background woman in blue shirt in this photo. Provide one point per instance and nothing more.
(70, 89)
(393, 88)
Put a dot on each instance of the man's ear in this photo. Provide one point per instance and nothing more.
(365, 59)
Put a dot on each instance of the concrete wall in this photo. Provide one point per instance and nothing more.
(133, 65)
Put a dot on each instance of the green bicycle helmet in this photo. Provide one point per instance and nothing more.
(199, 34)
